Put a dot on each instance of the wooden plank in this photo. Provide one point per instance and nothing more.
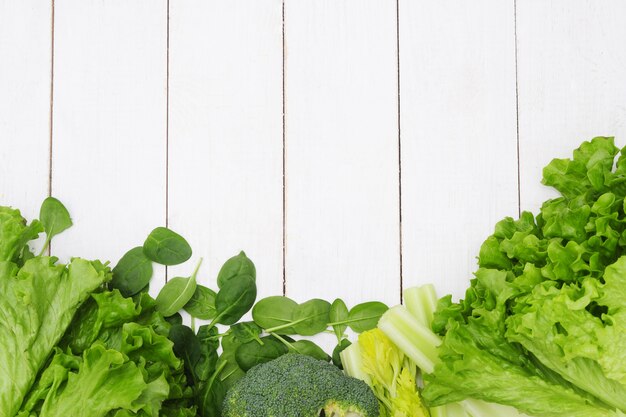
(225, 134)
(571, 83)
(25, 53)
(109, 124)
(342, 216)
(458, 124)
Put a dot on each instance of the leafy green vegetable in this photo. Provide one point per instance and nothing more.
(365, 316)
(339, 314)
(247, 331)
(201, 305)
(37, 304)
(176, 293)
(311, 317)
(253, 353)
(55, 219)
(275, 312)
(544, 314)
(166, 247)
(309, 348)
(237, 265)
(15, 234)
(132, 273)
(336, 356)
(235, 299)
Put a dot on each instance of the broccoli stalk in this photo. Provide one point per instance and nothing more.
(299, 385)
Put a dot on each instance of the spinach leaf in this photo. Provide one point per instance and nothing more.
(234, 299)
(55, 219)
(365, 316)
(166, 247)
(307, 347)
(344, 343)
(188, 348)
(132, 272)
(253, 353)
(275, 313)
(176, 293)
(338, 314)
(201, 305)
(247, 331)
(311, 317)
(237, 265)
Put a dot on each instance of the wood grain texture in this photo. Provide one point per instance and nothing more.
(342, 236)
(109, 124)
(458, 125)
(572, 63)
(25, 43)
(225, 134)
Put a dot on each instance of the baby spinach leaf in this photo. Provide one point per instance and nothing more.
(344, 343)
(275, 313)
(201, 305)
(247, 331)
(176, 293)
(209, 398)
(237, 265)
(306, 347)
(209, 336)
(365, 316)
(231, 372)
(187, 347)
(166, 247)
(55, 219)
(132, 272)
(253, 353)
(311, 317)
(339, 313)
(235, 299)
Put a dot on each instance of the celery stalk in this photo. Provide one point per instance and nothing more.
(421, 302)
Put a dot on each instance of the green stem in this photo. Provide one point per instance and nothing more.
(286, 325)
(286, 343)
(193, 324)
(195, 271)
(45, 246)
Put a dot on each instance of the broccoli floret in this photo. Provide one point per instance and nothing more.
(297, 385)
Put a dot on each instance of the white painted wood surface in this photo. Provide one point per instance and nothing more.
(341, 150)
(225, 135)
(108, 143)
(459, 134)
(25, 60)
(216, 172)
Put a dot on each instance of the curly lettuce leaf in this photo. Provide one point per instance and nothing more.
(38, 303)
(15, 234)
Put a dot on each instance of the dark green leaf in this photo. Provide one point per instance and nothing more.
(208, 336)
(338, 314)
(235, 299)
(246, 331)
(174, 319)
(237, 265)
(365, 316)
(187, 347)
(201, 305)
(209, 398)
(132, 273)
(252, 353)
(337, 350)
(306, 347)
(166, 247)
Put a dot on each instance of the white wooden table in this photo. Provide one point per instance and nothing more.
(350, 147)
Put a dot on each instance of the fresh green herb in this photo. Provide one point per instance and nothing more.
(132, 273)
(55, 219)
(166, 247)
(365, 316)
(201, 305)
(237, 265)
(176, 293)
(309, 348)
